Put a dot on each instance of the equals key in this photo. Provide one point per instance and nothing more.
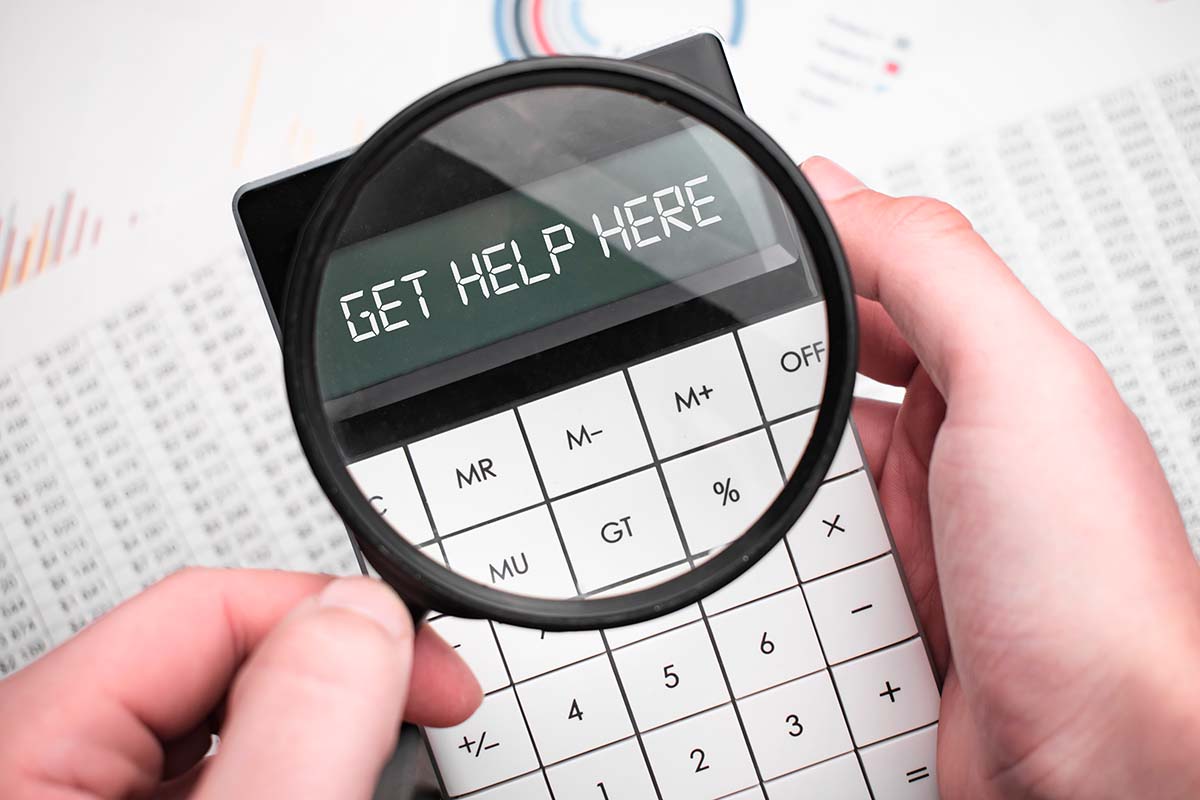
(918, 774)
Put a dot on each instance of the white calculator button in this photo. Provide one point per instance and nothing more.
(792, 435)
(473, 640)
(492, 746)
(889, 692)
(585, 434)
(772, 574)
(848, 457)
(767, 642)
(519, 554)
(904, 768)
(861, 609)
(620, 637)
(671, 675)
(788, 359)
(720, 491)
(477, 472)
(842, 526)
(575, 709)
(618, 530)
(794, 725)
(617, 772)
(627, 634)
(702, 757)
(387, 481)
(695, 395)
(839, 778)
(530, 652)
(531, 787)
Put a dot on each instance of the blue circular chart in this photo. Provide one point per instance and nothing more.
(525, 28)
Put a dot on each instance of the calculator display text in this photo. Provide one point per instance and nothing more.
(661, 212)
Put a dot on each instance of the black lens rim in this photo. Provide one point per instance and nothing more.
(419, 579)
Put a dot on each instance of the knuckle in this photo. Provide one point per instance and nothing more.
(928, 216)
(187, 577)
(1080, 365)
(333, 651)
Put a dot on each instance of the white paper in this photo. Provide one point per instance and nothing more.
(143, 427)
(1095, 204)
(142, 420)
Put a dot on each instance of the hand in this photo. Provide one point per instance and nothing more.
(305, 677)
(1043, 547)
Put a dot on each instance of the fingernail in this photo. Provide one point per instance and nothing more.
(370, 599)
(474, 694)
(830, 180)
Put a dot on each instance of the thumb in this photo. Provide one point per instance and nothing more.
(317, 708)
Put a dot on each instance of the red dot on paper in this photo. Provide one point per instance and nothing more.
(892, 67)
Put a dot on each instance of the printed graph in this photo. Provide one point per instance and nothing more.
(66, 229)
(271, 136)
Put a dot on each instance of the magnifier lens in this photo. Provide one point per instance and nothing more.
(570, 343)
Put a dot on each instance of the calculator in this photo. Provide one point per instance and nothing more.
(807, 676)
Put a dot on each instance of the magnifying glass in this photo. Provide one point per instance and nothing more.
(569, 344)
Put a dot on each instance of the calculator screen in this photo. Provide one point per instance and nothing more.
(658, 212)
(559, 237)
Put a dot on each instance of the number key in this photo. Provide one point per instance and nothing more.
(750, 794)
(701, 757)
(839, 777)
(772, 574)
(792, 437)
(531, 652)
(767, 642)
(575, 709)
(671, 675)
(531, 787)
(794, 725)
(616, 772)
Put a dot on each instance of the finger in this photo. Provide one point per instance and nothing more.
(904, 487)
(153, 670)
(445, 692)
(149, 679)
(953, 300)
(180, 755)
(883, 355)
(182, 787)
(875, 420)
(317, 708)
